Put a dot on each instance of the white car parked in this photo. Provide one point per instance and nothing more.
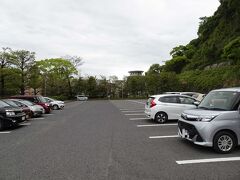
(164, 107)
(55, 104)
(82, 98)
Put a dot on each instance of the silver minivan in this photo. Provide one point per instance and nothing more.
(216, 121)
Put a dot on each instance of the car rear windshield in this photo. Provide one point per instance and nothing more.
(219, 100)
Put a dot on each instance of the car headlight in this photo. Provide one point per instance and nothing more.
(206, 118)
(10, 113)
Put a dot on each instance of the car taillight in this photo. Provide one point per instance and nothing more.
(152, 104)
(46, 104)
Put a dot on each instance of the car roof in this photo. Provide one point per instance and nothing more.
(169, 95)
(236, 89)
(171, 92)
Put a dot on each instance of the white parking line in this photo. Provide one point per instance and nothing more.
(5, 132)
(25, 124)
(153, 125)
(162, 137)
(48, 114)
(136, 102)
(38, 118)
(132, 111)
(135, 119)
(135, 114)
(208, 160)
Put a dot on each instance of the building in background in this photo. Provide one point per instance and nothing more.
(136, 73)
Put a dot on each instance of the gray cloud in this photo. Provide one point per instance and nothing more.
(112, 36)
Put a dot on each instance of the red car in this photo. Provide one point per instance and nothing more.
(36, 99)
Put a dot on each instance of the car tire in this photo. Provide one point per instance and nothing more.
(31, 115)
(55, 107)
(224, 142)
(161, 117)
(1, 125)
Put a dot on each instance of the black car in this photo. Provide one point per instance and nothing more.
(10, 116)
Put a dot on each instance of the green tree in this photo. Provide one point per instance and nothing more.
(152, 77)
(136, 86)
(92, 86)
(113, 86)
(154, 69)
(6, 60)
(176, 64)
(103, 87)
(58, 73)
(23, 60)
(168, 81)
(232, 50)
(75, 60)
(35, 78)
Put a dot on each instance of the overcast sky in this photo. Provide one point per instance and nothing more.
(112, 36)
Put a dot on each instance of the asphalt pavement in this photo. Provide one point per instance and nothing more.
(106, 140)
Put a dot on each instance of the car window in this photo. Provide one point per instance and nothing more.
(28, 103)
(219, 100)
(186, 100)
(48, 99)
(10, 103)
(3, 104)
(169, 99)
(51, 99)
(19, 104)
(29, 99)
(41, 99)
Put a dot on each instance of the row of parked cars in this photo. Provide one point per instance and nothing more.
(214, 121)
(17, 109)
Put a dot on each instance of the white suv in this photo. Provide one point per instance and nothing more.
(164, 107)
(55, 104)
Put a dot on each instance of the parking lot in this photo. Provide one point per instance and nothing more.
(107, 140)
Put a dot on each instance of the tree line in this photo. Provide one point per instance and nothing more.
(21, 73)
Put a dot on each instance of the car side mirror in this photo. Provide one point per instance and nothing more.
(196, 103)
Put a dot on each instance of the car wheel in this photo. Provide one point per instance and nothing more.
(161, 117)
(1, 124)
(224, 142)
(31, 115)
(55, 107)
